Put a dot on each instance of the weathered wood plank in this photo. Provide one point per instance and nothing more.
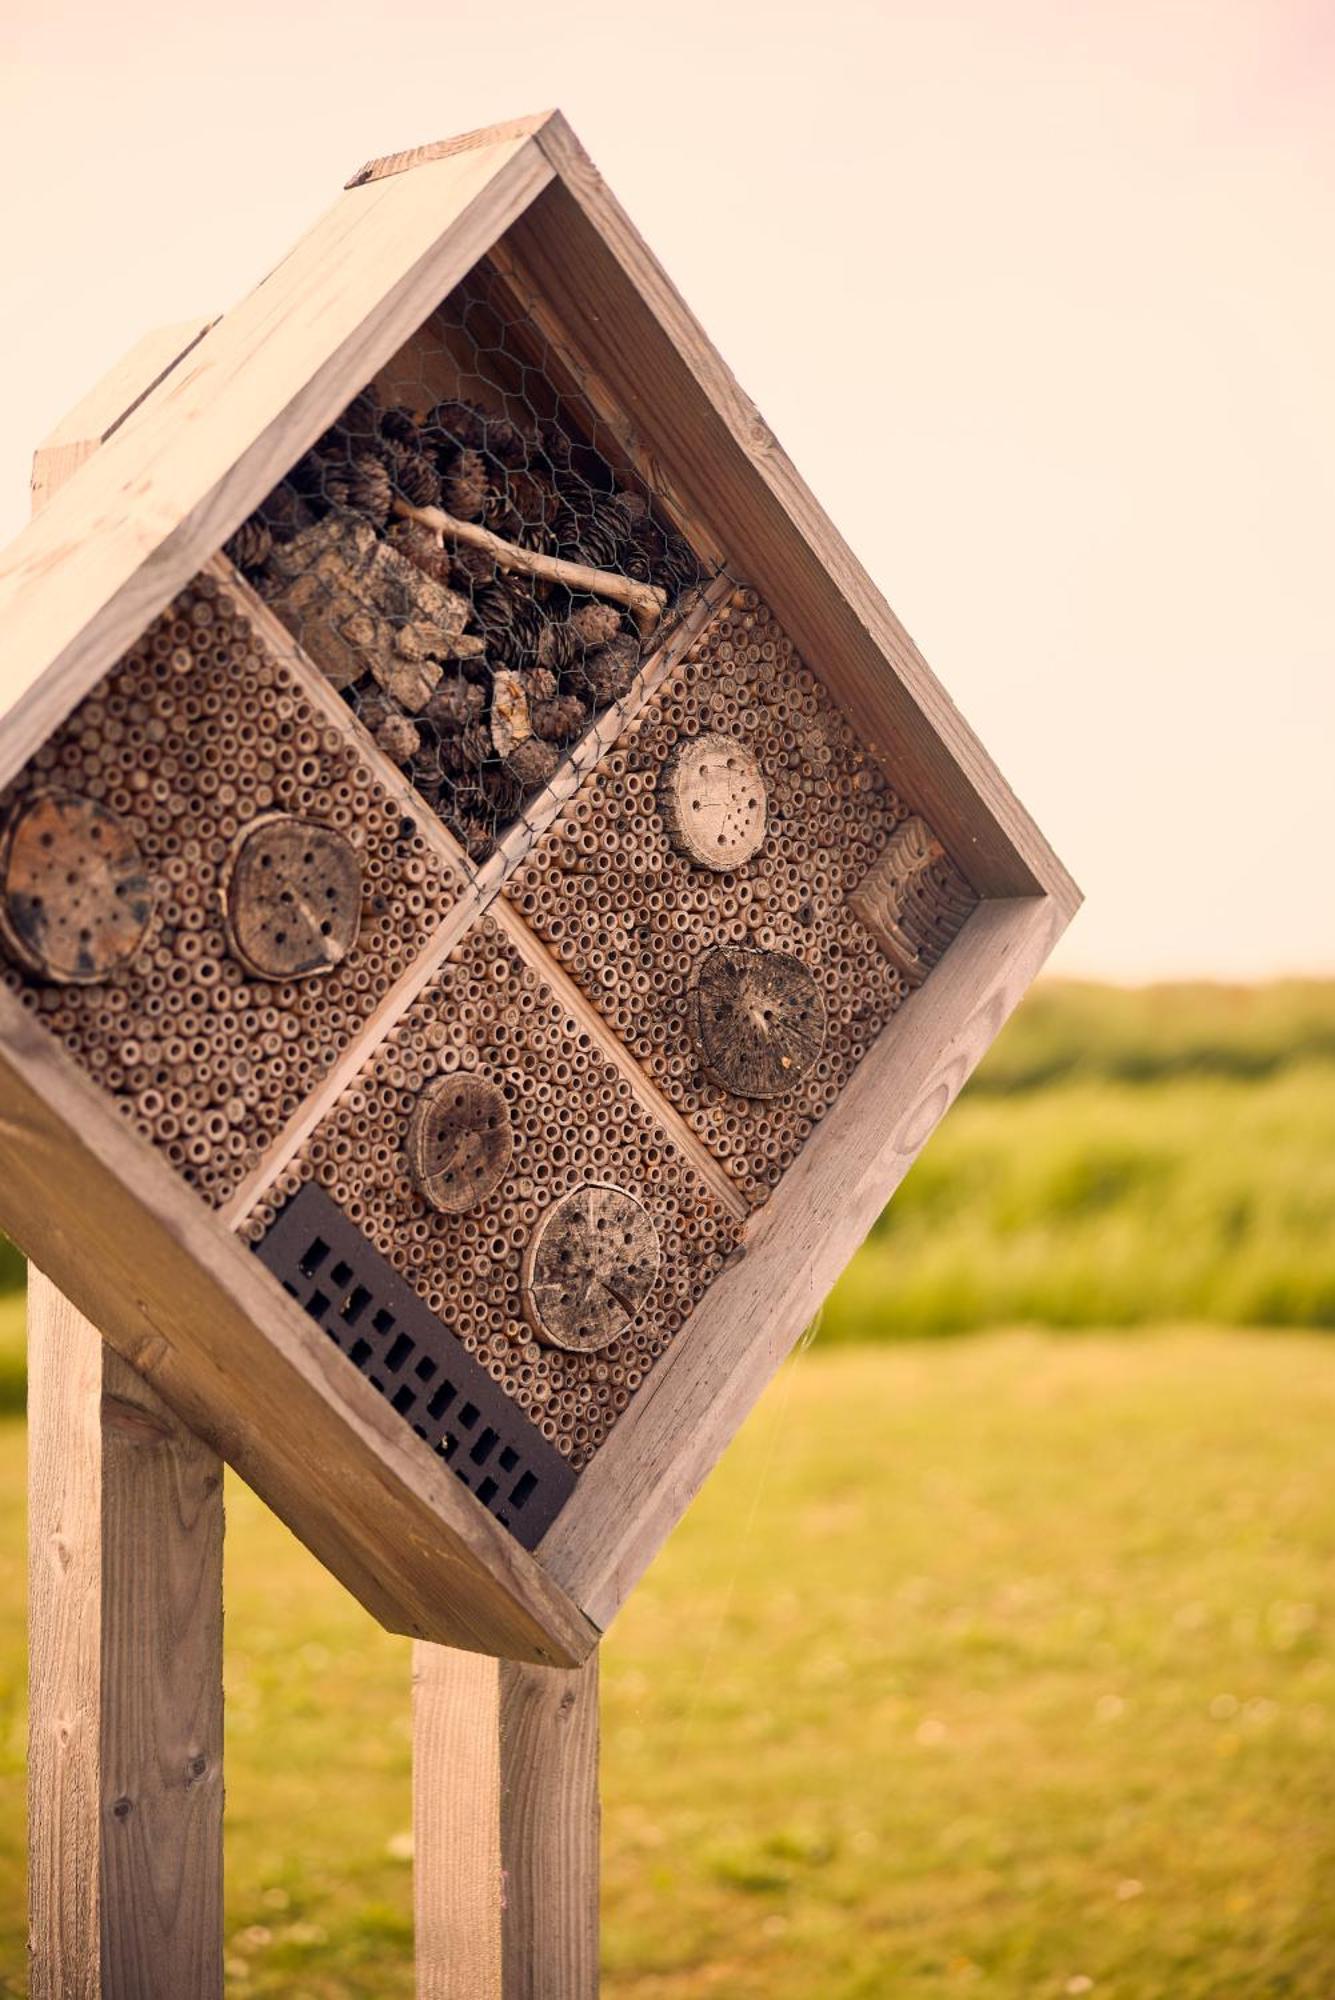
(125, 1706)
(198, 1316)
(167, 489)
(581, 252)
(641, 1480)
(505, 1828)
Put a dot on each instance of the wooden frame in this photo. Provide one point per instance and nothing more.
(167, 1280)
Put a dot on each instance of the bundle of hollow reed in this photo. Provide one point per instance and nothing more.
(537, 581)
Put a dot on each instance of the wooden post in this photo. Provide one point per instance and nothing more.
(125, 1536)
(505, 1828)
(125, 1788)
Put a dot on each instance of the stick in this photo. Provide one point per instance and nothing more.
(646, 602)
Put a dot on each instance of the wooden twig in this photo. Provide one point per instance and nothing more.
(646, 602)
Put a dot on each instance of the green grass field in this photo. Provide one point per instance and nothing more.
(998, 1667)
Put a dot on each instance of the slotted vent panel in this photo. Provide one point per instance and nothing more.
(425, 1373)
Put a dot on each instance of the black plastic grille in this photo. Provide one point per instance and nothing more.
(417, 1364)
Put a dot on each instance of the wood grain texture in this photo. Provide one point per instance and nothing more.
(442, 149)
(125, 1630)
(122, 391)
(198, 1316)
(581, 252)
(505, 1828)
(167, 489)
(125, 1706)
(642, 1479)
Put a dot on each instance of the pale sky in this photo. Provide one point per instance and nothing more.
(1039, 296)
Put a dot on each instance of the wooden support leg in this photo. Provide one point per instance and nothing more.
(505, 1826)
(125, 1787)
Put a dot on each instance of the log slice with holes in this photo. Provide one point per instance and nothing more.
(292, 897)
(75, 897)
(460, 1140)
(712, 798)
(757, 1019)
(590, 1265)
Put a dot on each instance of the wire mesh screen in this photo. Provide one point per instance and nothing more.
(473, 559)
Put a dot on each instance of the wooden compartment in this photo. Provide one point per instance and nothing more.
(200, 732)
(576, 1123)
(630, 914)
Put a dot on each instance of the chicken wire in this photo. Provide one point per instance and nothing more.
(472, 558)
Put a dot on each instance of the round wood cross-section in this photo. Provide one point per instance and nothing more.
(712, 798)
(590, 1265)
(460, 1140)
(292, 897)
(758, 1019)
(75, 896)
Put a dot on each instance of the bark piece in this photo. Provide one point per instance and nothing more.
(590, 1265)
(75, 896)
(511, 723)
(712, 798)
(347, 594)
(757, 1018)
(292, 897)
(460, 1141)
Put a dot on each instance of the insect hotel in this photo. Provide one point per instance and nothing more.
(492, 903)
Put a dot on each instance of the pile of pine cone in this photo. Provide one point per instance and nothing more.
(481, 721)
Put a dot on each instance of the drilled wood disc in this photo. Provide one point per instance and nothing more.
(589, 1267)
(712, 798)
(758, 1019)
(75, 897)
(292, 896)
(460, 1140)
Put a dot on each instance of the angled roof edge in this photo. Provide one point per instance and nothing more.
(138, 519)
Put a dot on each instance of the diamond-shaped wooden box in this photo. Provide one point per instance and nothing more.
(459, 1146)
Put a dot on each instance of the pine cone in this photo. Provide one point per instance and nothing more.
(476, 744)
(465, 487)
(535, 504)
(369, 488)
(453, 425)
(401, 425)
(532, 762)
(517, 643)
(594, 625)
(455, 704)
(398, 737)
(502, 790)
(557, 645)
(501, 516)
(539, 684)
(284, 513)
(471, 569)
(358, 428)
(422, 549)
(251, 543)
(559, 720)
(506, 442)
(608, 673)
(412, 474)
(475, 833)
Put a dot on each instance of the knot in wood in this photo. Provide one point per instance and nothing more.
(75, 897)
(460, 1141)
(757, 1019)
(292, 897)
(590, 1265)
(712, 798)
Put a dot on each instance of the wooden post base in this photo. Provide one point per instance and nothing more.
(505, 1827)
(125, 1791)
